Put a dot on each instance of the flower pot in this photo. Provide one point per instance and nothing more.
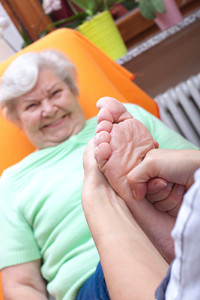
(171, 17)
(102, 31)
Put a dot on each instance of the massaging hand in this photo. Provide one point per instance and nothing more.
(176, 167)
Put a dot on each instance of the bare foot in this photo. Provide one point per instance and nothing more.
(98, 198)
(121, 142)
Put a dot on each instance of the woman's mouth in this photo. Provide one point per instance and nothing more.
(56, 122)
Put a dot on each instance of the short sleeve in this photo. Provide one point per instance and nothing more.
(17, 241)
(166, 137)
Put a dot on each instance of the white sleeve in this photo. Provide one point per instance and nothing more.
(184, 282)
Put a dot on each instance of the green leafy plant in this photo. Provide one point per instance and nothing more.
(148, 8)
(89, 9)
(92, 7)
(26, 39)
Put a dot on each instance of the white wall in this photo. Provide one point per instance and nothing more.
(12, 39)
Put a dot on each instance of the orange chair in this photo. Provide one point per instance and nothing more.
(98, 76)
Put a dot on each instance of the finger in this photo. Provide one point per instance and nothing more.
(139, 176)
(173, 201)
(155, 185)
(174, 212)
(138, 188)
(140, 191)
(155, 193)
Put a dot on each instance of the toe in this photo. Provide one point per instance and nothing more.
(102, 154)
(104, 114)
(117, 110)
(104, 126)
(102, 137)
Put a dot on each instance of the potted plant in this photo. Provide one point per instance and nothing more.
(96, 23)
(164, 12)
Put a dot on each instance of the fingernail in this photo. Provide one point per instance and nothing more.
(161, 184)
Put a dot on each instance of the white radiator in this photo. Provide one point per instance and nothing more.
(180, 108)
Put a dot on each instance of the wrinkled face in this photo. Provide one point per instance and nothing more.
(49, 114)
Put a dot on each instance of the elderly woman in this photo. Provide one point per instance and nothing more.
(45, 240)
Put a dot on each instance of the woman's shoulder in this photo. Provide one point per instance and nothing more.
(11, 171)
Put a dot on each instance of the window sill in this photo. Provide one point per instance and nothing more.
(134, 28)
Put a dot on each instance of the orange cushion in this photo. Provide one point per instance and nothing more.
(1, 296)
(98, 76)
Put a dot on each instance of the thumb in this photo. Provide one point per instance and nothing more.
(138, 179)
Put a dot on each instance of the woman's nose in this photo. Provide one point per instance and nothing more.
(48, 108)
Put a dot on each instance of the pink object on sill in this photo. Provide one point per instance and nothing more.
(171, 17)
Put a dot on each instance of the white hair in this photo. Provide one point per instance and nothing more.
(22, 74)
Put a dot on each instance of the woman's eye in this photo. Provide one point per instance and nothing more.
(55, 92)
(31, 106)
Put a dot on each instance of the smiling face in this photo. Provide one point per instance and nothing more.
(50, 113)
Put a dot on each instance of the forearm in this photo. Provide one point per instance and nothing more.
(132, 266)
(23, 281)
(19, 292)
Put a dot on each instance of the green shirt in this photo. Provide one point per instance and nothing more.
(41, 216)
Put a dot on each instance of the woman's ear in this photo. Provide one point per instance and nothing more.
(11, 117)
